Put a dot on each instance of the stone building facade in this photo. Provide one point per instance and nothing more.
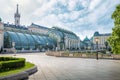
(1, 35)
(102, 38)
(37, 28)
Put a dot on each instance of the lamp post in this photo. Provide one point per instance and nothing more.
(13, 45)
(47, 46)
(96, 40)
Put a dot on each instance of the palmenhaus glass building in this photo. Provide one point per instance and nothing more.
(26, 40)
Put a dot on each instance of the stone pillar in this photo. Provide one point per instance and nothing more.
(30, 49)
(23, 49)
(63, 48)
(58, 46)
(69, 45)
(79, 44)
(74, 44)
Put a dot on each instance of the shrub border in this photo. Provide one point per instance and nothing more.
(8, 63)
(22, 75)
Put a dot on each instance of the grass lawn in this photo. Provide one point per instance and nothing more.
(27, 66)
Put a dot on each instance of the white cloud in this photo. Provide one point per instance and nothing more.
(71, 4)
(46, 21)
(94, 4)
(83, 17)
(45, 8)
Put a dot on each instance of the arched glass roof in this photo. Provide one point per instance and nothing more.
(31, 41)
(23, 39)
(58, 34)
(27, 41)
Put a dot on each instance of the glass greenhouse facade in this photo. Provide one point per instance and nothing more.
(65, 39)
(27, 41)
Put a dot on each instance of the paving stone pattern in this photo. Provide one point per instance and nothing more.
(61, 68)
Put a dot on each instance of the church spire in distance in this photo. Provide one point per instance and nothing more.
(17, 17)
(17, 9)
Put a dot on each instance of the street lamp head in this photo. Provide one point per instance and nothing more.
(96, 39)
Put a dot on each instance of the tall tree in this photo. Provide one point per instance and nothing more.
(114, 40)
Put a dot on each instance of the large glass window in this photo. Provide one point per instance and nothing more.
(7, 40)
(43, 42)
(15, 39)
(12, 37)
(31, 41)
(24, 41)
(37, 40)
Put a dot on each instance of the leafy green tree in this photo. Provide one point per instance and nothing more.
(114, 40)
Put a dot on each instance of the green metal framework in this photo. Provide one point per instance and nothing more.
(59, 36)
(27, 40)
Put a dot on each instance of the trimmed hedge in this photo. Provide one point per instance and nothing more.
(8, 63)
(7, 58)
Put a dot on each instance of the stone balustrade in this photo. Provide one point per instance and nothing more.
(82, 55)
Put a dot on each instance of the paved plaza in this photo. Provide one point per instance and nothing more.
(61, 68)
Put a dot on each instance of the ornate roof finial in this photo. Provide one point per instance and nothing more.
(86, 39)
(17, 9)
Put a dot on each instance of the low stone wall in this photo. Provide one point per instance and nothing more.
(11, 50)
(116, 56)
(20, 76)
(83, 55)
(57, 53)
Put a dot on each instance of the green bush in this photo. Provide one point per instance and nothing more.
(8, 63)
(7, 58)
(0, 65)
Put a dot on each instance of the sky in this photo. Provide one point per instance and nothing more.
(83, 17)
